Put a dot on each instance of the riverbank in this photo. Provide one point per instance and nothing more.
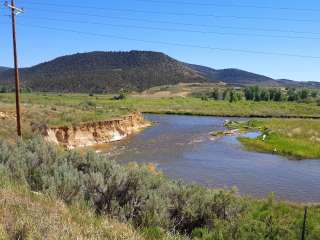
(93, 133)
(135, 194)
(182, 148)
(56, 110)
(50, 115)
(293, 138)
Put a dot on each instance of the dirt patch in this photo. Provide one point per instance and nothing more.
(165, 94)
(6, 115)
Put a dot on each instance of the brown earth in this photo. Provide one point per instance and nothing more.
(89, 134)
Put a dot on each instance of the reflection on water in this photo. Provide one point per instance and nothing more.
(182, 149)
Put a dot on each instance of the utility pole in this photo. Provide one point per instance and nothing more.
(15, 11)
(303, 233)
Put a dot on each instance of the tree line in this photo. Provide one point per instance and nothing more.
(257, 94)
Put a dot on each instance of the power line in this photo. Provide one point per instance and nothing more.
(176, 23)
(229, 5)
(179, 30)
(197, 4)
(174, 13)
(173, 43)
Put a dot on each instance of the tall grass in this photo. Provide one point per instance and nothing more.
(298, 138)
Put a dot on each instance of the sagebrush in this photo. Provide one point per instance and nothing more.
(150, 201)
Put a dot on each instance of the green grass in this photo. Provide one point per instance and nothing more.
(58, 111)
(177, 105)
(297, 138)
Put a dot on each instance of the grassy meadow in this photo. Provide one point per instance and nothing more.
(170, 105)
(295, 138)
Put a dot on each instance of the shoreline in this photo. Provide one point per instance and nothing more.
(230, 115)
(280, 142)
(93, 133)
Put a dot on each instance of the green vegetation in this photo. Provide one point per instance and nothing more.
(260, 94)
(95, 191)
(29, 215)
(67, 109)
(134, 195)
(176, 105)
(298, 138)
(53, 114)
(6, 89)
(104, 72)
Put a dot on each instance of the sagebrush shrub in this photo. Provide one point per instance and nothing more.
(134, 194)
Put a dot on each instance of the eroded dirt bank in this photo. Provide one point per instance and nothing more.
(89, 134)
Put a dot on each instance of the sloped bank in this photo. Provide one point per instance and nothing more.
(89, 134)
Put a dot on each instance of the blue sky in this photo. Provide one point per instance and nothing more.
(261, 26)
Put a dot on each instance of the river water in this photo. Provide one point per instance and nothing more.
(181, 148)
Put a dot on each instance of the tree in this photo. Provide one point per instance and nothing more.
(292, 95)
(314, 93)
(216, 94)
(2, 89)
(122, 95)
(248, 93)
(256, 93)
(278, 97)
(232, 96)
(226, 95)
(303, 94)
(264, 95)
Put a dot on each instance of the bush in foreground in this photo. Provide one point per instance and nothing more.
(27, 215)
(148, 200)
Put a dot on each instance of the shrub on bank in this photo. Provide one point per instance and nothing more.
(149, 201)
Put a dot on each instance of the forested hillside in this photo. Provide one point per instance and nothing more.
(102, 72)
(108, 72)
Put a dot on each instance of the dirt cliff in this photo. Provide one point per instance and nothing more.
(88, 134)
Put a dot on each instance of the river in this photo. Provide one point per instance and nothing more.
(181, 148)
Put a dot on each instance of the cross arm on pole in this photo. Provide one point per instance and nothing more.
(16, 9)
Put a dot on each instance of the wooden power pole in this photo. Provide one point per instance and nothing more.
(303, 233)
(14, 12)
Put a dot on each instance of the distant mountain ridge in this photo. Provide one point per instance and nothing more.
(104, 72)
(240, 77)
(233, 76)
(2, 69)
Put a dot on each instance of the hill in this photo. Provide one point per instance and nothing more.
(2, 69)
(240, 77)
(102, 72)
(106, 72)
(234, 76)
